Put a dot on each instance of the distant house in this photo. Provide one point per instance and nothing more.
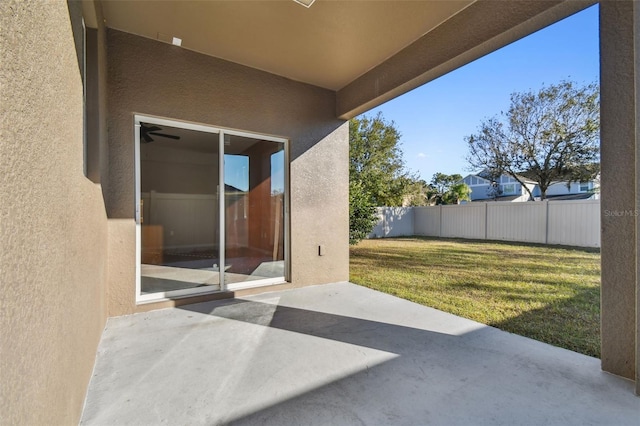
(588, 190)
(504, 188)
(507, 188)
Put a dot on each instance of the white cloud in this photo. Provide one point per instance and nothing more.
(422, 155)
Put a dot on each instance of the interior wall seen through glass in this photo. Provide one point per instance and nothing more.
(179, 176)
(182, 223)
(254, 209)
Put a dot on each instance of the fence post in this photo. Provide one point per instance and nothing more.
(546, 224)
(440, 220)
(384, 222)
(413, 220)
(486, 220)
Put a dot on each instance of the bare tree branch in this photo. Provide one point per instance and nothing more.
(549, 136)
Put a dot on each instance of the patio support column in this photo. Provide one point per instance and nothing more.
(620, 187)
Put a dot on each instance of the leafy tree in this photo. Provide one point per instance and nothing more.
(376, 160)
(549, 136)
(448, 189)
(442, 182)
(377, 175)
(417, 193)
(362, 213)
(458, 192)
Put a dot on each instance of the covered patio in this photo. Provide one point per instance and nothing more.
(340, 354)
(82, 77)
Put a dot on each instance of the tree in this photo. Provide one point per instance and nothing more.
(377, 175)
(448, 189)
(362, 213)
(549, 136)
(417, 193)
(376, 160)
(458, 192)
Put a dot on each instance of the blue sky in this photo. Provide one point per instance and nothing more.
(435, 118)
(236, 171)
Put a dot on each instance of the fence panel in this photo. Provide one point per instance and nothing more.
(526, 221)
(393, 222)
(572, 223)
(463, 221)
(186, 219)
(426, 221)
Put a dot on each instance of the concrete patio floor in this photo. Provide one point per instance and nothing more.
(340, 354)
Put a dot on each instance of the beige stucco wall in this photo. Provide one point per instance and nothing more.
(97, 147)
(53, 232)
(619, 147)
(636, 33)
(122, 266)
(153, 78)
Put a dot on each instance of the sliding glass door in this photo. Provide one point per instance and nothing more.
(254, 210)
(179, 220)
(195, 234)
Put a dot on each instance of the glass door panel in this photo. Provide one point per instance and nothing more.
(254, 210)
(179, 212)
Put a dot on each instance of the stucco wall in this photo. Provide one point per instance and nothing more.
(619, 29)
(154, 78)
(53, 233)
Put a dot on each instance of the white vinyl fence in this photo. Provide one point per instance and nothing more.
(571, 223)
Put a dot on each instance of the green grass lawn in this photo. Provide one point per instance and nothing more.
(547, 293)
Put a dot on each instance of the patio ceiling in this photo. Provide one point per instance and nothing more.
(367, 51)
(328, 45)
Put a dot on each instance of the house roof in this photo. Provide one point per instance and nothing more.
(483, 175)
(592, 170)
(526, 179)
(500, 198)
(581, 196)
(366, 51)
(473, 175)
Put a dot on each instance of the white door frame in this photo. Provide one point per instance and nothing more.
(162, 121)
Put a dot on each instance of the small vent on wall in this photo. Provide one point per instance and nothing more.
(169, 39)
(305, 3)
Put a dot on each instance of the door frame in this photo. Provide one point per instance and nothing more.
(221, 132)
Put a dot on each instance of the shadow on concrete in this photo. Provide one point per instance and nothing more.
(479, 376)
(372, 334)
(339, 354)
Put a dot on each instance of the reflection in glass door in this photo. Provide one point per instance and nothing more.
(197, 234)
(179, 175)
(254, 210)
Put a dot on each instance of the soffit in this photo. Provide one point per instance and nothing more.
(328, 45)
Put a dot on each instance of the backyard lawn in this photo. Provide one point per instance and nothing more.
(551, 294)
